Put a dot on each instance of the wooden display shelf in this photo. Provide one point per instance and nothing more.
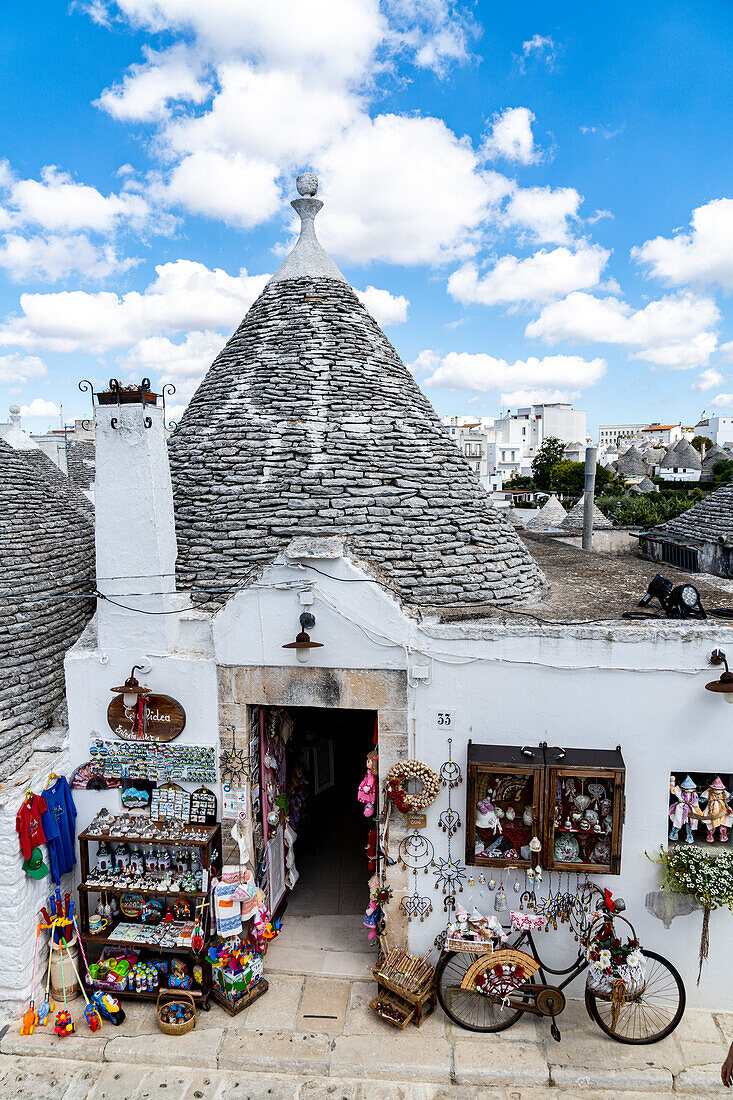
(148, 995)
(198, 895)
(104, 940)
(120, 838)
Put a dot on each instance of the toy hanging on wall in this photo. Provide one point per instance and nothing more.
(717, 812)
(367, 792)
(685, 812)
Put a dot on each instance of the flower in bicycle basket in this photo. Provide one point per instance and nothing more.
(604, 959)
(518, 971)
(634, 959)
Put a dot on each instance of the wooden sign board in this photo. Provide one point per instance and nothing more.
(163, 719)
(417, 821)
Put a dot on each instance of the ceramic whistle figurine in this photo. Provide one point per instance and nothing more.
(717, 812)
(685, 812)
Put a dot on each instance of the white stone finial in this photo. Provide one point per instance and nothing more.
(308, 260)
(14, 411)
(307, 184)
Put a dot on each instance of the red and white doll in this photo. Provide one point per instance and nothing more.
(367, 793)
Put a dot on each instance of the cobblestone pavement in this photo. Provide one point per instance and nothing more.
(313, 1037)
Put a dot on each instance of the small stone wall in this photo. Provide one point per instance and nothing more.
(382, 690)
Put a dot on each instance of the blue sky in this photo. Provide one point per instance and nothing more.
(535, 203)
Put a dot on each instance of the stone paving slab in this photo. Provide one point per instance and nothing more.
(276, 1051)
(499, 1062)
(199, 1049)
(412, 1054)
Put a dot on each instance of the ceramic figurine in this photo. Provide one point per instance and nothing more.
(684, 813)
(717, 813)
(486, 817)
(528, 815)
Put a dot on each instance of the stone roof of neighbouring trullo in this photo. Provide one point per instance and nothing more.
(47, 551)
(707, 521)
(308, 423)
(713, 456)
(549, 516)
(574, 519)
(631, 463)
(81, 463)
(683, 455)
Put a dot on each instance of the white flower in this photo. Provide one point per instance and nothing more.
(604, 959)
(634, 959)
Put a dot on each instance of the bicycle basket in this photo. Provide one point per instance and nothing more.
(500, 973)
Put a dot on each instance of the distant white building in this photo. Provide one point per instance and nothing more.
(610, 435)
(681, 463)
(497, 448)
(718, 429)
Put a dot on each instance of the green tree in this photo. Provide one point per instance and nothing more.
(723, 472)
(701, 441)
(520, 481)
(569, 477)
(550, 453)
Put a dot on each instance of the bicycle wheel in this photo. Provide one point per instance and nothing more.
(653, 1014)
(469, 1009)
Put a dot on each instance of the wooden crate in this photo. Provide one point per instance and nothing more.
(403, 1011)
(248, 997)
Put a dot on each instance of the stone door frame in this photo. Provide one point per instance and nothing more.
(242, 687)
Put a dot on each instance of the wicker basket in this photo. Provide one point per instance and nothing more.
(507, 956)
(184, 1026)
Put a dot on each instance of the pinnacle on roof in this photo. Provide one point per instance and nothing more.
(574, 519)
(309, 424)
(308, 258)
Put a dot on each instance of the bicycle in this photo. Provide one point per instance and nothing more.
(489, 991)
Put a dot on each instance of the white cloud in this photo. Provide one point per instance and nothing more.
(15, 368)
(674, 331)
(534, 279)
(537, 397)
(511, 137)
(385, 308)
(542, 47)
(544, 212)
(726, 352)
(56, 257)
(234, 188)
(405, 190)
(707, 380)
(482, 372)
(723, 401)
(425, 361)
(157, 355)
(183, 296)
(704, 255)
(39, 407)
(148, 88)
(59, 204)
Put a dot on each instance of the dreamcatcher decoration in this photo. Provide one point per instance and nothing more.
(450, 874)
(450, 772)
(416, 852)
(414, 905)
(449, 821)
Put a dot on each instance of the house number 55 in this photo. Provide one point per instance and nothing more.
(444, 719)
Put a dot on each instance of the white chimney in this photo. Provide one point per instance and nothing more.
(134, 526)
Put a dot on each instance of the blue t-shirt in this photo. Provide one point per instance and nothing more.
(62, 850)
(51, 833)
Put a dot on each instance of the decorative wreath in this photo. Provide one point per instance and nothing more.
(398, 777)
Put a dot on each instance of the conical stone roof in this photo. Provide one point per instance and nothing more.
(549, 516)
(683, 455)
(47, 550)
(308, 423)
(713, 456)
(631, 463)
(707, 521)
(574, 519)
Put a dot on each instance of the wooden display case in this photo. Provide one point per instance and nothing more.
(571, 800)
(209, 851)
(509, 779)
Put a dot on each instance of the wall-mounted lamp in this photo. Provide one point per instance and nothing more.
(131, 688)
(724, 686)
(303, 644)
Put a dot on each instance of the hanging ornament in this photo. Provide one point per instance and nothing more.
(416, 852)
(450, 772)
(414, 905)
(449, 822)
(449, 874)
(492, 884)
